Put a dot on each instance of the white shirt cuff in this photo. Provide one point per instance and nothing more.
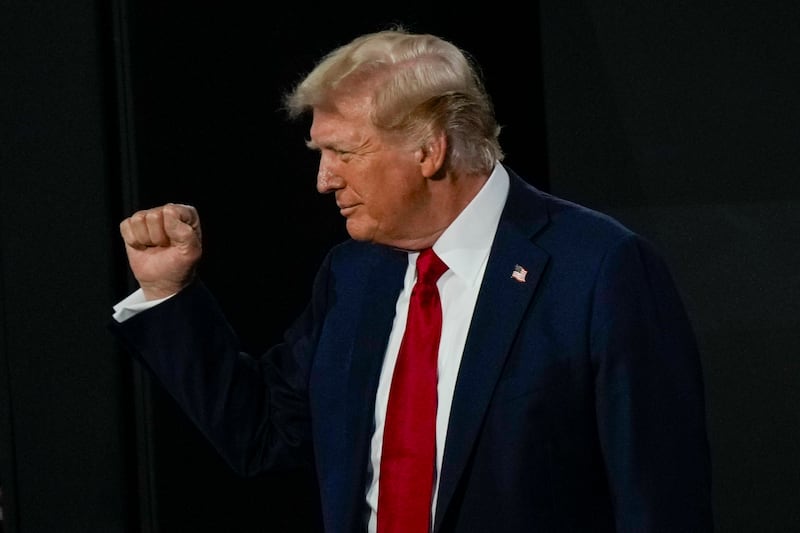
(134, 304)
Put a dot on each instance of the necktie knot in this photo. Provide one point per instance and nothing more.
(429, 267)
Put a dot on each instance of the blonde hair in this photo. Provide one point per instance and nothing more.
(419, 85)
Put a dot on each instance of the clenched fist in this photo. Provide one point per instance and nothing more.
(163, 245)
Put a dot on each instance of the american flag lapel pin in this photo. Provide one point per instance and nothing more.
(519, 273)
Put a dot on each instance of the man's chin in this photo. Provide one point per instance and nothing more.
(357, 231)
(360, 232)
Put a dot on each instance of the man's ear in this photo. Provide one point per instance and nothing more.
(431, 156)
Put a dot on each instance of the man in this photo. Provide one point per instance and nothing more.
(568, 392)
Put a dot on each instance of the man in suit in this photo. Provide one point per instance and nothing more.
(568, 393)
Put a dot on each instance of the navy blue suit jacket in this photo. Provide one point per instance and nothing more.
(579, 403)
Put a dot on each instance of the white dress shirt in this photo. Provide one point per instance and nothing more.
(464, 248)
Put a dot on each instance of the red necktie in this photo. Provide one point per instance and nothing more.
(408, 457)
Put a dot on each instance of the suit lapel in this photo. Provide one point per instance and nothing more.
(501, 304)
(372, 333)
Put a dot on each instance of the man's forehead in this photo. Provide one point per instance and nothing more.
(331, 125)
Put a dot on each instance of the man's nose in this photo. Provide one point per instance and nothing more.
(327, 180)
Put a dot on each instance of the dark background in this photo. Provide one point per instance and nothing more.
(679, 118)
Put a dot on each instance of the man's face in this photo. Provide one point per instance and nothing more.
(376, 178)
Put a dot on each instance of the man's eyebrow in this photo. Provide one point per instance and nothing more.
(325, 146)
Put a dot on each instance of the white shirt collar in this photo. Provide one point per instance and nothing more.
(464, 245)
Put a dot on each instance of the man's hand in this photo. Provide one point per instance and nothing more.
(163, 245)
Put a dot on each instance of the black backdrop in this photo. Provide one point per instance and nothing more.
(680, 119)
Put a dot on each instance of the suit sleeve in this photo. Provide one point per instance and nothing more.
(253, 410)
(649, 395)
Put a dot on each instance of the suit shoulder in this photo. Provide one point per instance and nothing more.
(359, 258)
(578, 226)
(548, 214)
(358, 251)
(589, 219)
